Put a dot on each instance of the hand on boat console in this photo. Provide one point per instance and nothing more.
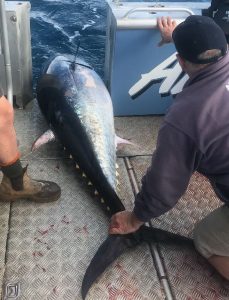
(124, 222)
(166, 26)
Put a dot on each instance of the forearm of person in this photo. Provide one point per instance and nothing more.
(166, 180)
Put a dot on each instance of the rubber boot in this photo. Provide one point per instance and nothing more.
(34, 190)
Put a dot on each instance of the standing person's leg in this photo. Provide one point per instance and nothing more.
(8, 143)
(9, 154)
(16, 184)
(211, 238)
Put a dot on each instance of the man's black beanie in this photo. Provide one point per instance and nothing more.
(196, 35)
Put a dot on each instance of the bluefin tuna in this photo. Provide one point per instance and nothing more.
(78, 108)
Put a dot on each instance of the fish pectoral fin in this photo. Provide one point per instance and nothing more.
(45, 138)
(120, 142)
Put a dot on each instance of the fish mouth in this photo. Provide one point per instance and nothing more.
(115, 245)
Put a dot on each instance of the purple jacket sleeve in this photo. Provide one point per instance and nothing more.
(175, 159)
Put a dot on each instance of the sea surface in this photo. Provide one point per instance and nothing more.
(57, 26)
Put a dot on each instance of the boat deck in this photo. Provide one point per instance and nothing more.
(46, 248)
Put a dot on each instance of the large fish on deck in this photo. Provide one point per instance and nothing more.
(79, 110)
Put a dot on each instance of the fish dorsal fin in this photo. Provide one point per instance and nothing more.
(45, 138)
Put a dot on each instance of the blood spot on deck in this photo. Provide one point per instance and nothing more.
(85, 230)
(37, 253)
(65, 220)
(82, 230)
(40, 267)
(57, 168)
(128, 289)
(127, 293)
(119, 266)
(43, 232)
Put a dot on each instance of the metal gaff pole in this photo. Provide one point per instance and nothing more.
(6, 52)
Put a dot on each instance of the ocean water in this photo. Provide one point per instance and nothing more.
(57, 26)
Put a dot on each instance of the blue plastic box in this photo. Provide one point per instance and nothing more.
(141, 77)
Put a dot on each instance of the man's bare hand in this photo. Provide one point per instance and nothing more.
(124, 222)
(166, 26)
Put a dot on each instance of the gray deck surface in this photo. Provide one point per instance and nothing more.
(46, 248)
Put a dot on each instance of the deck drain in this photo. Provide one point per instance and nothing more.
(12, 291)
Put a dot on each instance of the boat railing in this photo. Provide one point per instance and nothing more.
(144, 23)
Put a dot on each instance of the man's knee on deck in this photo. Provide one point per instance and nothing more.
(211, 239)
(221, 264)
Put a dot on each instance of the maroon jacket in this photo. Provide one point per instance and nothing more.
(193, 136)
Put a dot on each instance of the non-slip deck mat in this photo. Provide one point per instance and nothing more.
(196, 203)
(141, 131)
(4, 219)
(191, 277)
(50, 245)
